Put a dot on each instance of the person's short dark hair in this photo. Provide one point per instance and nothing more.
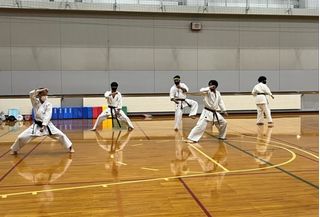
(176, 77)
(114, 84)
(43, 92)
(262, 78)
(213, 82)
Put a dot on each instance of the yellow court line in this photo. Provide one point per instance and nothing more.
(204, 154)
(104, 185)
(151, 169)
(136, 145)
(107, 184)
(280, 143)
(293, 157)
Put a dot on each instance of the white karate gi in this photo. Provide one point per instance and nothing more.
(260, 92)
(212, 101)
(42, 112)
(114, 102)
(176, 93)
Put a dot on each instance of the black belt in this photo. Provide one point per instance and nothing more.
(214, 112)
(261, 94)
(40, 124)
(113, 109)
(183, 100)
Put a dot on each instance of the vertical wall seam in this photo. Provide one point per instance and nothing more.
(10, 35)
(239, 58)
(60, 35)
(154, 55)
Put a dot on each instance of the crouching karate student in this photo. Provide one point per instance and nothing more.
(114, 100)
(178, 94)
(212, 102)
(42, 125)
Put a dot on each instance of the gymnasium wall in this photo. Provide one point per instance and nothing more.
(82, 54)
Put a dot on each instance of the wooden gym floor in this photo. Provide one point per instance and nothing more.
(258, 171)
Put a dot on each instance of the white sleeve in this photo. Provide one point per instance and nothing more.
(172, 92)
(254, 92)
(33, 97)
(205, 89)
(119, 101)
(106, 94)
(185, 87)
(267, 90)
(221, 103)
(48, 114)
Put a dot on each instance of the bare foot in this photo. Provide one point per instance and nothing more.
(93, 129)
(176, 129)
(130, 128)
(190, 141)
(71, 150)
(13, 152)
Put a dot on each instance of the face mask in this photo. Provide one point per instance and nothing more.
(43, 98)
(114, 89)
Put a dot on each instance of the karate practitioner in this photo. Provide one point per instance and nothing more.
(42, 125)
(178, 94)
(212, 102)
(114, 100)
(260, 92)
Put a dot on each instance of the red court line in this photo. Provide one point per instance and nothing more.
(14, 166)
(195, 198)
(4, 153)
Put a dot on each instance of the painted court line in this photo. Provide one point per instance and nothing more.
(267, 162)
(209, 158)
(203, 208)
(24, 157)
